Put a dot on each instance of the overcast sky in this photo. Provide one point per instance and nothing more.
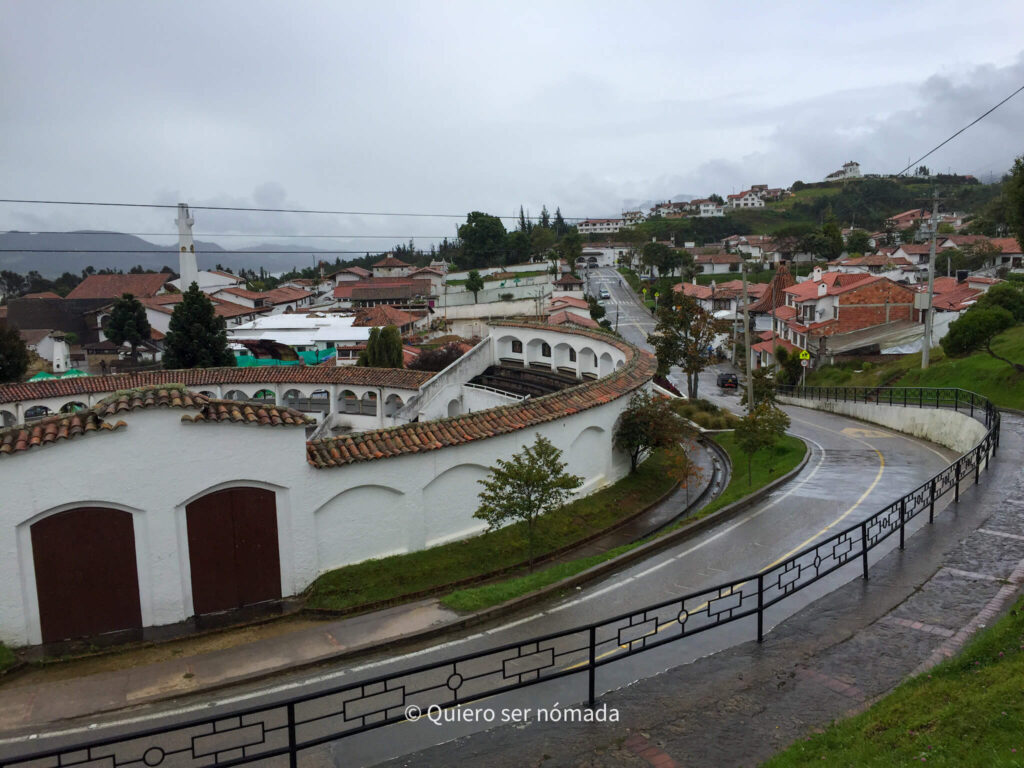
(446, 107)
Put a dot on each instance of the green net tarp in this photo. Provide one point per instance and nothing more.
(305, 358)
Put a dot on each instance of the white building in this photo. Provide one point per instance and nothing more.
(600, 226)
(100, 555)
(211, 280)
(746, 199)
(303, 332)
(275, 300)
(850, 170)
(49, 345)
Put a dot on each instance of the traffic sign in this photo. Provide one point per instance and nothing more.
(805, 362)
(805, 355)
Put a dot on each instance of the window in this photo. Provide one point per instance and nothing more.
(572, 355)
(835, 312)
(517, 347)
(545, 350)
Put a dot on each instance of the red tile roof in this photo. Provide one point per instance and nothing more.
(282, 295)
(459, 430)
(43, 295)
(391, 261)
(1008, 245)
(115, 286)
(562, 317)
(51, 430)
(398, 378)
(774, 295)
(695, 291)
(382, 315)
(718, 258)
(568, 279)
(568, 301)
(770, 345)
(166, 302)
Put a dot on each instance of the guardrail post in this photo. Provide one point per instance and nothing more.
(920, 398)
(977, 464)
(591, 670)
(956, 401)
(293, 755)
(931, 504)
(903, 518)
(864, 545)
(904, 397)
(890, 395)
(760, 607)
(938, 394)
(956, 483)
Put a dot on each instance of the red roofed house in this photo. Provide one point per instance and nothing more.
(746, 199)
(389, 266)
(276, 300)
(1010, 253)
(907, 219)
(115, 286)
(570, 304)
(718, 263)
(564, 317)
(160, 308)
(348, 275)
(384, 314)
(568, 285)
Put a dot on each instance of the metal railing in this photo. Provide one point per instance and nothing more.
(286, 729)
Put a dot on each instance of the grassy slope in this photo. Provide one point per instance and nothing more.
(968, 711)
(392, 577)
(476, 598)
(979, 373)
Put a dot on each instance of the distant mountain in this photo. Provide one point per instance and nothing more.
(53, 254)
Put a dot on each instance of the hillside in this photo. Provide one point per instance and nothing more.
(979, 372)
(51, 254)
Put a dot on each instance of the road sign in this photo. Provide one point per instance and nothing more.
(805, 355)
(805, 362)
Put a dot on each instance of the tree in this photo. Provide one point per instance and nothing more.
(383, 348)
(13, 354)
(545, 218)
(483, 240)
(531, 483)
(683, 336)
(648, 422)
(764, 385)
(976, 329)
(524, 225)
(662, 257)
(541, 241)
(1007, 296)
(790, 367)
(197, 337)
(571, 247)
(761, 428)
(858, 241)
(128, 323)
(11, 283)
(518, 247)
(474, 283)
(436, 359)
(1013, 192)
(681, 467)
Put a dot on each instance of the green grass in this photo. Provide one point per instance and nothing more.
(489, 279)
(762, 276)
(979, 372)
(7, 657)
(632, 278)
(392, 577)
(706, 414)
(968, 711)
(790, 453)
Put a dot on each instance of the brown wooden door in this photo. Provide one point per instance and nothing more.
(86, 577)
(233, 553)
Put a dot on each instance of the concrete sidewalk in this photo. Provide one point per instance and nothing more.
(832, 659)
(33, 707)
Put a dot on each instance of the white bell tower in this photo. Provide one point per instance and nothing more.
(187, 266)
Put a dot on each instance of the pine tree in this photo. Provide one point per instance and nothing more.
(560, 226)
(197, 337)
(128, 323)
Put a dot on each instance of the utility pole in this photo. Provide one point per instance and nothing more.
(746, 333)
(926, 346)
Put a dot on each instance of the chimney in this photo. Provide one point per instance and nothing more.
(187, 269)
(822, 289)
(817, 274)
(961, 275)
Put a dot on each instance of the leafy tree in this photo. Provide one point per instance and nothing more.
(11, 283)
(976, 329)
(764, 386)
(790, 368)
(483, 240)
(1007, 296)
(128, 323)
(524, 487)
(436, 359)
(858, 241)
(13, 354)
(542, 239)
(1013, 192)
(832, 238)
(596, 310)
(662, 257)
(571, 247)
(474, 283)
(383, 348)
(760, 428)
(716, 198)
(518, 247)
(682, 337)
(197, 337)
(681, 467)
(560, 227)
(648, 422)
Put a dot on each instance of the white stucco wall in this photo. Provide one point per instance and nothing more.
(957, 431)
(326, 518)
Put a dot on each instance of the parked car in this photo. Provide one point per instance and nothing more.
(603, 294)
(728, 381)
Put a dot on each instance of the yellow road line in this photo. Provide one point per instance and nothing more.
(738, 587)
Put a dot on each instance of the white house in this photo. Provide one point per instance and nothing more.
(49, 345)
(212, 280)
(746, 199)
(389, 266)
(600, 226)
(276, 300)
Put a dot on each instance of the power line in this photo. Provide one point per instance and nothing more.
(173, 250)
(260, 210)
(224, 234)
(973, 122)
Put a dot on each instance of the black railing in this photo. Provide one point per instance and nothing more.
(288, 728)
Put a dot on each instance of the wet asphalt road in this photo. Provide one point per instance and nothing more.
(853, 471)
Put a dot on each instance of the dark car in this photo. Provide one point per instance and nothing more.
(728, 381)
